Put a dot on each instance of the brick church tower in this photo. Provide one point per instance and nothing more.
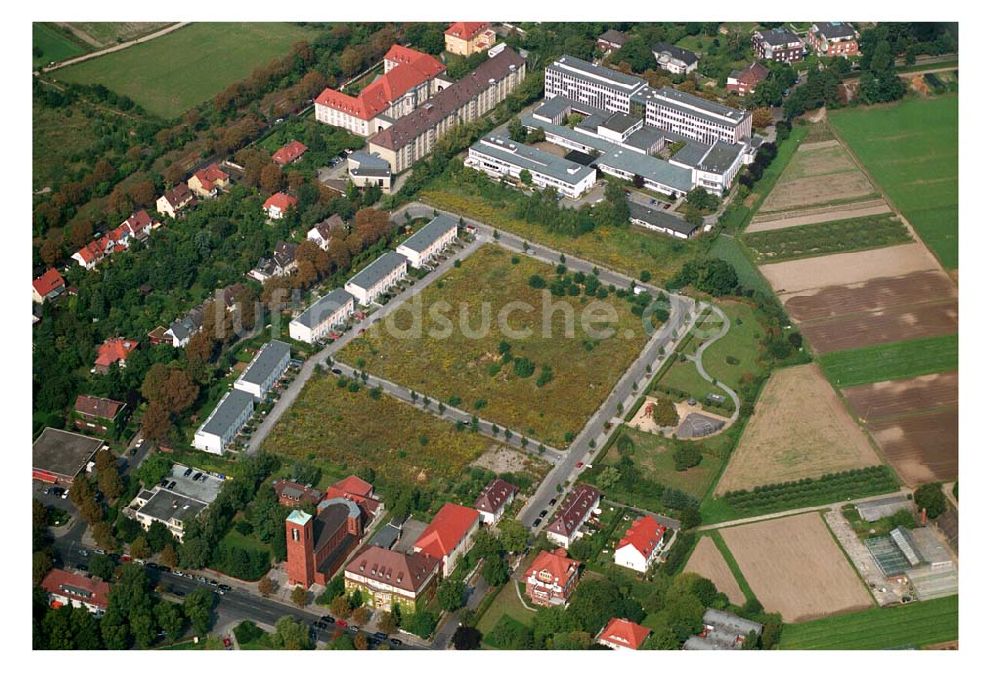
(301, 565)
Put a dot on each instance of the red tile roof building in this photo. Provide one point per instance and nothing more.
(48, 285)
(576, 509)
(745, 81)
(317, 545)
(495, 498)
(279, 204)
(551, 578)
(292, 494)
(96, 414)
(405, 83)
(621, 633)
(113, 351)
(65, 587)
(449, 535)
(641, 544)
(356, 489)
(386, 577)
(468, 37)
(174, 200)
(289, 153)
(140, 224)
(206, 182)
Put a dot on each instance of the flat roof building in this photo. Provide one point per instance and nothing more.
(172, 509)
(225, 421)
(722, 630)
(377, 277)
(265, 369)
(367, 169)
(59, 456)
(430, 240)
(598, 86)
(322, 316)
(691, 116)
(499, 157)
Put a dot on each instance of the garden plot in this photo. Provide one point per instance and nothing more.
(799, 429)
(795, 567)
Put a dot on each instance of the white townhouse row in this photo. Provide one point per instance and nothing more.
(429, 241)
(225, 421)
(319, 319)
(377, 278)
(265, 369)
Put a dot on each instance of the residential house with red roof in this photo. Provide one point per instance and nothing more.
(289, 153)
(292, 494)
(47, 286)
(140, 224)
(117, 240)
(96, 414)
(113, 351)
(386, 577)
(621, 633)
(551, 578)
(279, 204)
(449, 535)
(466, 38)
(495, 498)
(641, 544)
(409, 78)
(172, 202)
(79, 590)
(745, 81)
(208, 181)
(581, 503)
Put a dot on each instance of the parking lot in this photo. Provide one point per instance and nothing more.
(193, 483)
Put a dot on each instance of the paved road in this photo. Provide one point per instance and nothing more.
(442, 639)
(115, 48)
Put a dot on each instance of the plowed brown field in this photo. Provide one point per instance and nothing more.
(707, 562)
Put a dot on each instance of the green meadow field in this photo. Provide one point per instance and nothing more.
(54, 43)
(911, 149)
(171, 74)
(914, 625)
(891, 361)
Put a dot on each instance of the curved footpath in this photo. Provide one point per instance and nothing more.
(701, 369)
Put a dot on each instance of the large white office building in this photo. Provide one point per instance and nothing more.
(498, 157)
(581, 81)
(320, 318)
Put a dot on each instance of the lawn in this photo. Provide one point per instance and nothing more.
(654, 455)
(737, 352)
(505, 603)
(683, 376)
(349, 432)
(55, 44)
(729, 249)
(454, 352)
(628, 250)
(235, 538)
(891, 361)
(847, 235)
(178, 71)
(913, 625)
(915, 163)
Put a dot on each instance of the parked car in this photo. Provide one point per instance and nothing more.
(354, 628)
(226, 642)
(338, 371)
(172, 484)
(197, 476)
(187, 473)
(395, 642)
(225, 588)
(543, 513)
(553, 501)
(536, 522)
(380, 636)
(340, 623)
(579, 464)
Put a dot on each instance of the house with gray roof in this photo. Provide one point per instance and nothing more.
(611, 40)
(321, 317)
(265, 369)
(377, 278)
(225, 421)
(430, 240)
(499, 157)
(172, 509)
(181, 331)
(660, 221)
(674, 59)
(722, 630)
(598, 86)
(367, 169)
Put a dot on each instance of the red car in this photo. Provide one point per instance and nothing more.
(341, 623)
(579, 464)
(226, 642)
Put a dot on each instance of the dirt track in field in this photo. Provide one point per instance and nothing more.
(914, 422)
(792, 277)
(799, 429)
(707, 562)
(806, 217)
(795, 567)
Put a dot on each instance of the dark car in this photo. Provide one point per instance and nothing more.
(328, 619)
(543, 513)
(163, 567)
(172, 484)
(150, 565)
(225, 588)
(536, 522)
(337, 371)
(553, 501)
(395, 642)
(187, 473)
(380, 636)
(197, 476)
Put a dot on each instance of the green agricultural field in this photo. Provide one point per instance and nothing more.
(468, 364)
(891, 361)
(628, 250)
(914, 162)
(55, 44)
(350, 432)
(848, 235)
(913, 625)
(180, 70)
